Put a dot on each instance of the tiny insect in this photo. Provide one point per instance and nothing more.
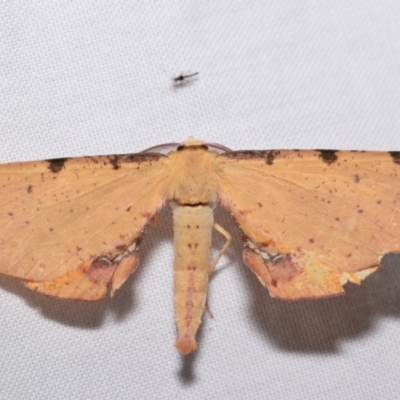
(310, 220)
(183, 79)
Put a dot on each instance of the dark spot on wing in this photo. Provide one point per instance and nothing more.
(114, 161)
(121, 248)
(328, 156)
(118, 160)
(29, 188)
(396, 156)
(267, 156)
(56, 164)
(245, 154)
(282, 268)
(140, 157)
(101, 262)
(269, 159)
(356, 178)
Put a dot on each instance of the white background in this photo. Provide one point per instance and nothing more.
(93, 77)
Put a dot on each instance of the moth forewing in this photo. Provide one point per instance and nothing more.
(70, 222)
(313, 220)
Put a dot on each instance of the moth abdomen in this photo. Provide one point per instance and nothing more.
(192, 242)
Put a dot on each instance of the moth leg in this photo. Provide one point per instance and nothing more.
(207, 307)
(214, 263)
(228, 237)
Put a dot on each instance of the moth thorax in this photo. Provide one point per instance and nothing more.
(193, 179)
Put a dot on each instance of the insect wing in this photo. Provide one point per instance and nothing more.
(313, 220)
(70, 226)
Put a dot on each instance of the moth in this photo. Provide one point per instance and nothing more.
(310, 220)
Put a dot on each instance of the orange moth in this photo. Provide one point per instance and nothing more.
(310, 220)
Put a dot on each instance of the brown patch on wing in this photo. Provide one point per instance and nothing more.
(395, 156)
(328, 156)
(88, 282)
(118, 160)
(270, 157)
(141, 157)
(245, 154)
(267, 156)
(57, 164)
(282, 268)
(296, 276)
(91, 280)
(114, 161)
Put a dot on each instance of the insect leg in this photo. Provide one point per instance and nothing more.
(228, 237)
